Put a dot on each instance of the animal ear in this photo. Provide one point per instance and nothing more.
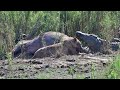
(24, 36)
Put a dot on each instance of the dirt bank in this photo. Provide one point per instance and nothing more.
(54, 68)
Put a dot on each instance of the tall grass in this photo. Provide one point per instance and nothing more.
(15, 23)
(114, 69)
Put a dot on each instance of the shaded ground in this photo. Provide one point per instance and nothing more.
(83, 66)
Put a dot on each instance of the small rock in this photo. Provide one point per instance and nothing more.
(86, 71)
(35, 73)
(15, 76)
(1, 67)
(5, 63)
(87, 77)
(62, 66)
(36, 62)
(47, 66)
(2, 73)
(70, 60)
(20, 68)
(41, 66)
(104, 64)
(37, 67)
(85, 65)
(26, 76)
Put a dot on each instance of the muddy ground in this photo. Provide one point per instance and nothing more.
(66, 67)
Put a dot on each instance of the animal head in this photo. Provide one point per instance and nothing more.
(81, 36)
(73, 45)
(78, 34)
(19, 48)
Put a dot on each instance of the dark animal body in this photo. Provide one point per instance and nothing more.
(29, 47)
(67, 47)
(115, 40)
(115, 45)
(97, 44)
(92, 41)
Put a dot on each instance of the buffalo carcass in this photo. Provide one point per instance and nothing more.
(45, 39)
(72, 46)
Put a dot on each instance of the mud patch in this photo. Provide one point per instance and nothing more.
(55, 68)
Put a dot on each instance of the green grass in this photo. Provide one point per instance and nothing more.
(112, 71)
(59, 74)
(44, 76)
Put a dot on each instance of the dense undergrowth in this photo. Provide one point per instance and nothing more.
(13, 24)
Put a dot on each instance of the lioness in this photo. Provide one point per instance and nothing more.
(71, 46)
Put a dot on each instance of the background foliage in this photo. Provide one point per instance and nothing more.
(13, 23)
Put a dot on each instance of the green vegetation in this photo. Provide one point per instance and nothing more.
(71, 71)
(114, 69)
(14, 23)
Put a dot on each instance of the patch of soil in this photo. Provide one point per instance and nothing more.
(54, 68)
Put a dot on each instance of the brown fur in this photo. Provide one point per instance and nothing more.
(68, 47)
